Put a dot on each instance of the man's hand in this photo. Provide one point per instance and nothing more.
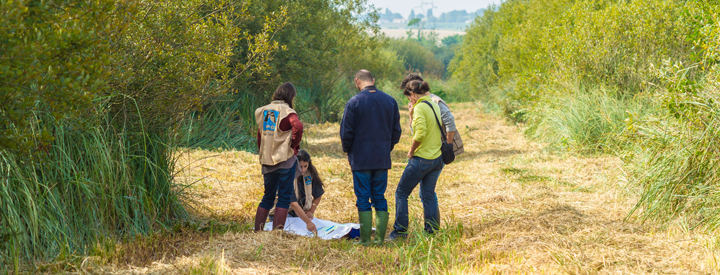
(311, 227)
(410, 154)
(310, 214)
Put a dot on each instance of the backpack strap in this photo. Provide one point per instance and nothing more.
(442, 129)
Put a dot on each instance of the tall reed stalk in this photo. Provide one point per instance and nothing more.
(90, 186)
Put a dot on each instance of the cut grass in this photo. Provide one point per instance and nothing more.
(493, 222)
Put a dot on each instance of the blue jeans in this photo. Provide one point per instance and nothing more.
(279, 183)
(370, 185)
(425, 172)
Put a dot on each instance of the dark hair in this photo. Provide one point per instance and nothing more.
(305, 156)
(410, 77)
(417, 87)
(364, 75)
(285, 92)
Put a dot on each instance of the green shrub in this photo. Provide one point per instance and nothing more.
(96, 91)
(611, 76)
(417, 57)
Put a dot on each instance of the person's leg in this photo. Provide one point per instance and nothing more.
(361, 184)
(286, 188)
(267, 201)
(429, 197)
(408, 181)
(379, 185)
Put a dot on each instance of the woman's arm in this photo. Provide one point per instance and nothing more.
(315, 203)
(301, 214)
(414, 147)
(448, 120)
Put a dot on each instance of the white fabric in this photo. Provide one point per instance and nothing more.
(327, 230)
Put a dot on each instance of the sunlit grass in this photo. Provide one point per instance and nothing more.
(506, 205)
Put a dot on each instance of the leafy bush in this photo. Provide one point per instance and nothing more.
(95, 92)
(319, 45)
(651, 72)
(417, 57)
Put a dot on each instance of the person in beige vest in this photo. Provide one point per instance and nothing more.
(278, 140)
(308, 185)
(446, 116)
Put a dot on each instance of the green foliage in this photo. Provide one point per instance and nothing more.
(677, 164)
(95, 93)
(417, 57)
(53, 61)
(222, 125)
(588, 121)
(677, 157)
(317, 45)
(652, 71)
(89, 186)
(537, 44)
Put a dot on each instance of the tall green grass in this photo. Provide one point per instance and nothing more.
(90, 186)
(677, 165)
(227, 122)
(317, 102)
(586, 121)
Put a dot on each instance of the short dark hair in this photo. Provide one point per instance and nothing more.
(417, 87)
(410, 77)
(285, 92)
(364, 75)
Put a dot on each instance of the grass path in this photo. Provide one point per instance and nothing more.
(507, 206)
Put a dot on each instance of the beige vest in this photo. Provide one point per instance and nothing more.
(308, 193)
(274, 143)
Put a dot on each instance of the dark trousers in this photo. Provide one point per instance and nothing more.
(426, 172)
(279, 183)
(370, 186)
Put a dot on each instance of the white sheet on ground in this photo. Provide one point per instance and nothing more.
(327, 230)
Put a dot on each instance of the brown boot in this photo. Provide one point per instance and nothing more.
(279, 218)
(260, 218)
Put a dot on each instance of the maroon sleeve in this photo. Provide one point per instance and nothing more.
(258, 139)
(293, 122)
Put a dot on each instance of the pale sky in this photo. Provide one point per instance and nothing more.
(404, 6)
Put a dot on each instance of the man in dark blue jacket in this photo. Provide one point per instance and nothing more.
(369, 130)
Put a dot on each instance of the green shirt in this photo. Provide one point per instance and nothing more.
(426, 130)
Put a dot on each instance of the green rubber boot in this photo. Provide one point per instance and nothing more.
(365, 226)
(382, 222)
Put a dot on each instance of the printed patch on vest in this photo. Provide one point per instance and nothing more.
(308, 180)
(270, 118)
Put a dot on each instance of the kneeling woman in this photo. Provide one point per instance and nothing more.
(308, 186)
(279, 135)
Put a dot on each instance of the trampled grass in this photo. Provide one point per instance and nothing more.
(507, 206)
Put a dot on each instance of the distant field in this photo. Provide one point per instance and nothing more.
(398, 33)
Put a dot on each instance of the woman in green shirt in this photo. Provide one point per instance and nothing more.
(425, 161)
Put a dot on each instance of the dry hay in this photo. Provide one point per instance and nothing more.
(522, 210)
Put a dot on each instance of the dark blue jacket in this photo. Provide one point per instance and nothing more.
(370, 129)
